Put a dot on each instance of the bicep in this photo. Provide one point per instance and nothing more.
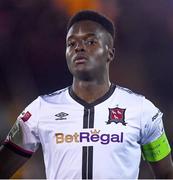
(19, 145)
(163, 168)
(21, 142)
(10, 162)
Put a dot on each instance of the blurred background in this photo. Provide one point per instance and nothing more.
(32, 56)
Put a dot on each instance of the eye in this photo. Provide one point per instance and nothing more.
(91, 42)
(71, 43)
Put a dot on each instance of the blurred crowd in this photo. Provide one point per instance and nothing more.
(32, 56)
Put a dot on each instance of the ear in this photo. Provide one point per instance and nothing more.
(111, 54)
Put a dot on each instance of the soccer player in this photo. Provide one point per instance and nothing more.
(92, 129)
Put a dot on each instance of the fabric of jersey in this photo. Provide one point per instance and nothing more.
(100, 140)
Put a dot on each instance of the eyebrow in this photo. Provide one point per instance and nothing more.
(87, 35)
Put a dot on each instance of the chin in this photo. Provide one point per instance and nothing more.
(84, 75)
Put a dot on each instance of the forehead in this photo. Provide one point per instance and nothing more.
(86, 27)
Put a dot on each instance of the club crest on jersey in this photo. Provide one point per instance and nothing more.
(116, 115)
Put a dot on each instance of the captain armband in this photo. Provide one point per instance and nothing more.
(156, 150)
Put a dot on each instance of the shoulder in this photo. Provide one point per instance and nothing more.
(127, 91)
(127, 95)
(132, 96)
(58, 96)
(32, 110)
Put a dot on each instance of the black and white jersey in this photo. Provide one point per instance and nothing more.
(100, 140)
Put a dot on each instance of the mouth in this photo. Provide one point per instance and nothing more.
(80, 59)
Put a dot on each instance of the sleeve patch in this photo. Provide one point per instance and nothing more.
(156, 150)
(25, 116)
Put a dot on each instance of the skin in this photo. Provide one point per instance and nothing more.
(10, 162)
(163, 169)
(89, 52)
(90, 75)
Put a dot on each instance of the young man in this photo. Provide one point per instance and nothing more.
(92, 129)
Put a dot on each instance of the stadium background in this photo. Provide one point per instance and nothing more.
(32, 61)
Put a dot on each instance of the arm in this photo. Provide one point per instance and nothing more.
(21, 142)
(10, 162)
(155, 146)
(163, 169)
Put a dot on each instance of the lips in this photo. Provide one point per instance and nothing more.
(79, 59)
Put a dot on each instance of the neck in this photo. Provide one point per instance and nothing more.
(90, 91)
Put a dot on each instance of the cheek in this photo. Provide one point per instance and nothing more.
(100, 54)
(68, 61)
(67, 53)
(68, 56)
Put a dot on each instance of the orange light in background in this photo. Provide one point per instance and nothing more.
(69, 7)
(72, 6)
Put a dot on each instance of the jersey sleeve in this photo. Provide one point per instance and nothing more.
(154, 142)
(23, 137)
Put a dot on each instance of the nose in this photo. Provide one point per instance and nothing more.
(80, 47)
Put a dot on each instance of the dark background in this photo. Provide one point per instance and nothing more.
(32, 56)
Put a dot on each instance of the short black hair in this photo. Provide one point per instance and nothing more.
(101, 19)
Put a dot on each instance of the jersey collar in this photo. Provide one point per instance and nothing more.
(97, 101)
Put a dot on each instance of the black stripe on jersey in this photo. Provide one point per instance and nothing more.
(91, 118)
(84, 162)
(85, 118)
(88, 118)
(90, 162)
(87, 152)
(16, 149)
(87, 162)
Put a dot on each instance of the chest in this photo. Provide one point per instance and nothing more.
(106, 124)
